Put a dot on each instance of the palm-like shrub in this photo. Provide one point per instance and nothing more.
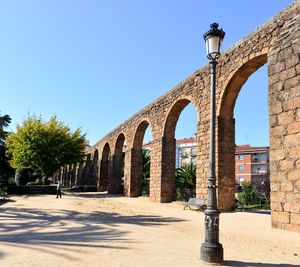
(185, 181)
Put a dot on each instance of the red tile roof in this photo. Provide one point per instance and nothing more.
(250, 149)
(186, 140)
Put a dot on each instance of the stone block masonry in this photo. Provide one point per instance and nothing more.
(275, 43)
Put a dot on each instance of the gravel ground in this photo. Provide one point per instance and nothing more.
(96, 230)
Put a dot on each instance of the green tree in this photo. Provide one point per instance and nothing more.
(249, 194)
(146, 170)
(45, 146)
(185, 181)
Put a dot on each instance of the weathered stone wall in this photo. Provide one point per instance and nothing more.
(275, 43)
(284, 109)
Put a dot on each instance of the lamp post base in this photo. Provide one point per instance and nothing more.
(212, 253)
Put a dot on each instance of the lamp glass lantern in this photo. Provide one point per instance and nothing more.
(213, 40)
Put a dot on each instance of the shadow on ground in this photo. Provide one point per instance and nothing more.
(257, 264)
(4, 201)
(91, 195)
(34, 228)
(259, 211)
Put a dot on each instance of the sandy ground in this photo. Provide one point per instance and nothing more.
(95, 230)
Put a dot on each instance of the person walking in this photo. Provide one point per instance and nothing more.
(58, 189)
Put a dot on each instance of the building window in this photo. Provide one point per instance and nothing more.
(241, 179)
(241, 168)
(183, 153)
(193, 151)
(241, 157)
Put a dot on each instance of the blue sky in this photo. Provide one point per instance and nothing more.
(95, 63)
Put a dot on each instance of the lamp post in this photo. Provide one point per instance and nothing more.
(211, 249)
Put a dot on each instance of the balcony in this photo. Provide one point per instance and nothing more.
(260, 172)
(183, 155)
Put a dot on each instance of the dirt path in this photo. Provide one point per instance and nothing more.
(92, 230)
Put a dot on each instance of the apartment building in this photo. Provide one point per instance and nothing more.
(185, 151)
(251, 163)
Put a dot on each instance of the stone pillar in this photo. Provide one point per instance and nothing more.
(64, 175)
(127, 172)
(104, 175)
(162, 170)
(202, 159)
(55, 177)
(76, 167)
(115, 183)
(68, 176)
(284, 108)
(156, 170)
(80, 173)
(225, 163)
(168, 169)
(134, 173)
(86, 171)
(93, 173)
(73, 174)
(60, 174)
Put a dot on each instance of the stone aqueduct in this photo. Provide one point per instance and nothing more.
(275, 43)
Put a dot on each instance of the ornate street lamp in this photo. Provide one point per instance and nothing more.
(211, 249)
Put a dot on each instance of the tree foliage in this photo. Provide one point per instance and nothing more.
(45, 146)
(185, 176)
(146, 163)
(185, 181)
(249, 194)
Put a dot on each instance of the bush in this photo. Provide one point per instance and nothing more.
(185, 182)
(23, 176)
(249, 194)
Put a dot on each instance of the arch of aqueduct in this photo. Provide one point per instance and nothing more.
(275, 43)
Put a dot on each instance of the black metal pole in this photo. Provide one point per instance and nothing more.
(211, 249)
